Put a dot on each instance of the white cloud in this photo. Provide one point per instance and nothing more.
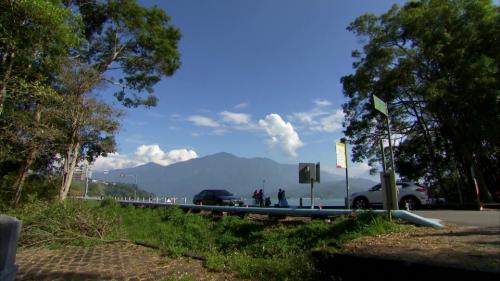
(144, 154)
(281, 133)
(321, 118)
(203, 121)
(321, 102)
(235, 118)
(114, 161)
(308, 117)
(241, 105)
(330, 123)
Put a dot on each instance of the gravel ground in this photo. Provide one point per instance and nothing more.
(456, 246)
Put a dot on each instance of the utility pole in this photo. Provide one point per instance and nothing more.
(87, 167)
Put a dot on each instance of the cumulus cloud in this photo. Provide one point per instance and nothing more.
(203, 121)
(281, 133)
(235, 118)
(330, 123)
(114, 161)
(321, 118)
(144, 154)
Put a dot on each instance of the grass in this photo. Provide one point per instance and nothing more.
(251, 249)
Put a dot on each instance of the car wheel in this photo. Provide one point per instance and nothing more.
(360, 203)
(411, 201)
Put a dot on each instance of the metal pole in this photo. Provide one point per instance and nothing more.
(312, 194)
(383, 154)
(135, 191)
(392, 183)
(86, 182)
(390, 141)
(346, 176)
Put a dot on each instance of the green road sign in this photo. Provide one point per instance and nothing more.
(380, 105)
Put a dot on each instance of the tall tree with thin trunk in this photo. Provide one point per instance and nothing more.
(90, 124)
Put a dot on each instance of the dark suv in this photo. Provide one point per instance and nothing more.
(216, 197)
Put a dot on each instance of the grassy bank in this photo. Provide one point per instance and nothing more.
(266, 250)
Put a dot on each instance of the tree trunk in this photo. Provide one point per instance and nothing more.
(3, 89)
(23, 170)
(69, 168)
(22, 174)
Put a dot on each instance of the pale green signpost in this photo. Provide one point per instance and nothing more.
(380, 105)
(388, 180)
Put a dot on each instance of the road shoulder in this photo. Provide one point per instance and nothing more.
(466, 247)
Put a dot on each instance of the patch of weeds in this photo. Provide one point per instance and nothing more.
(365, 224)
(215, 263)
(296, 268)
(66, 223)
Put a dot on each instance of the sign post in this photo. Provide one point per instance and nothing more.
(309, 173)
(342, 159)
(388, 180)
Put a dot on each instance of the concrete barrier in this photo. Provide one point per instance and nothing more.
(9, 233)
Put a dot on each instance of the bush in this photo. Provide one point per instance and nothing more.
(66, 223)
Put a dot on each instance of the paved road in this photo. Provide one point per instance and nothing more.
(490, 218)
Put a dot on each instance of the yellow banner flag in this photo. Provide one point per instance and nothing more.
(340, 151)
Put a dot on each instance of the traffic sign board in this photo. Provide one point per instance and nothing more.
(379, 105)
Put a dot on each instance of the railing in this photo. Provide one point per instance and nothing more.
(296, 211)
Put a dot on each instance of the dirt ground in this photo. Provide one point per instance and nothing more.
(455, 246)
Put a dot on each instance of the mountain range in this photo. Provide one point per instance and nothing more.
(226, 171)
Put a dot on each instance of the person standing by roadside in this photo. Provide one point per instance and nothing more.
(283, 202)
(260, 197)
(255, 197)
(280, 196)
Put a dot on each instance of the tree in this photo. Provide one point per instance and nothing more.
(90, 124)
(121, 35)
(35, 36)
(436, 64)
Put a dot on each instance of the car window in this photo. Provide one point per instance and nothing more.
(223, 193)
(203, 193)
(376, 187)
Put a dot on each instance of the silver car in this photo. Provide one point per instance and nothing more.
(410, 195)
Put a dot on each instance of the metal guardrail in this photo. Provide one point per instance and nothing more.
(297, 212)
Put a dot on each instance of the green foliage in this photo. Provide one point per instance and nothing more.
(139, 41)
(436, 64)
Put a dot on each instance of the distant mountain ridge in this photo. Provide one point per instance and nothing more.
(236, 174)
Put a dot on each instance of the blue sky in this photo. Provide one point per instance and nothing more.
(258, 78)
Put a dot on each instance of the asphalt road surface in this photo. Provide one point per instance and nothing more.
(489, 218)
